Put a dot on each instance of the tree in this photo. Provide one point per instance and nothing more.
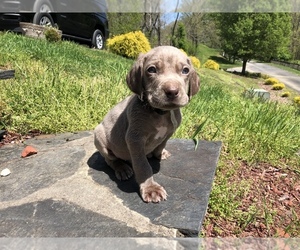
(120, 23)
(295, 48)
(200, 28)
(179, 40)
(255, 35)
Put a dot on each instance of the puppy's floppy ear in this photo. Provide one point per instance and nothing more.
(194, 83)
(135, 77)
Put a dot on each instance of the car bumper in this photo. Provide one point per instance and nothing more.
(10, 21)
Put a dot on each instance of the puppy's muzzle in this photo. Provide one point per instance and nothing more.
(171, 92)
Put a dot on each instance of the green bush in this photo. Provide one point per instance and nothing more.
(52, 34)
(278, 86)
(129, 45)
(271, 81)
(211, 64)
(195, 61)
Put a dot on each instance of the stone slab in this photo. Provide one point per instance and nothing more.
(67, 190)
(260, 93)
(7, 74)
(36, 172)
(52, 218)
(187, 177)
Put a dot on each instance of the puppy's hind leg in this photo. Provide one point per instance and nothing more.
(122, 170)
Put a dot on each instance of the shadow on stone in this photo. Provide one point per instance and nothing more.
(97, 162)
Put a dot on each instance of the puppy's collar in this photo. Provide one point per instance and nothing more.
(146, 105)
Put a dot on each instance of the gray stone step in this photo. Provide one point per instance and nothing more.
(67, 190)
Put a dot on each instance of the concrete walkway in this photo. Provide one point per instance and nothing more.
(67, 190)
(289, 79)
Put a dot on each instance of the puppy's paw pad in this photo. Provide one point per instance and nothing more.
(153, 193)
(123, 172)
(165, 154)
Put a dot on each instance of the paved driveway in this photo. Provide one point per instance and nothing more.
(289, 79)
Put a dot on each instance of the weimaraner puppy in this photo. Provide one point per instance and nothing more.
(162, 80)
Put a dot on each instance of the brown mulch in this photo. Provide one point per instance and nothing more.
(11, 137)
(275, 192)
(275, 95)
(275, 196)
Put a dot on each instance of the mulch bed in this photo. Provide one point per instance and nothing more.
(275, 194)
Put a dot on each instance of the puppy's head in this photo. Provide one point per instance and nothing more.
(164, 77)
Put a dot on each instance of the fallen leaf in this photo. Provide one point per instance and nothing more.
(27, 151)
(282, 233)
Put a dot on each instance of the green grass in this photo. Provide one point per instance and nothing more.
(67, 87)
(204, 53)
(58, 87)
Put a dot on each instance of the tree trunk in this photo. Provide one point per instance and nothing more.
(244, 66)
(174, 26)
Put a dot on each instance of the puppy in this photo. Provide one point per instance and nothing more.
(162, 80)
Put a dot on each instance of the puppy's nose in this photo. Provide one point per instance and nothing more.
(171, 92)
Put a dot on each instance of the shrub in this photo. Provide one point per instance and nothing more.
(278, 86)
(286, 94)
(195, 61)
(129, 45)
(211, 64)
(297, 100)
(271, 81)
(264, 76)
(52, 34)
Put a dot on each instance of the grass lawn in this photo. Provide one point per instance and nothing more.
(204, 53)
(67, 87)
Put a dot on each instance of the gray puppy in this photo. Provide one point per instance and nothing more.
(163, 80)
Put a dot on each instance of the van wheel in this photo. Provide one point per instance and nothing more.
(43, 19)
(98, 40)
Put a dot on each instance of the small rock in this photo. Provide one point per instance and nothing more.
(29, 150)
(5, 172)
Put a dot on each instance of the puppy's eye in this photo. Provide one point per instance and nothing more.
(152, 70)
(185, 71)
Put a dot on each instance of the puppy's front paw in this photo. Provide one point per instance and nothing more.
(165, 154)
(153, 192)
(162, 155)
(123, 172)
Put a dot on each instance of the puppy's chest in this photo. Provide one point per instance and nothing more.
(165, 127)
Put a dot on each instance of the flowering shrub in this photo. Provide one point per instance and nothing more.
(211, 64)
(285, 94)
(278, 86)
(129, 45)
(271, 81)
(297, 100)
(195, 61)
